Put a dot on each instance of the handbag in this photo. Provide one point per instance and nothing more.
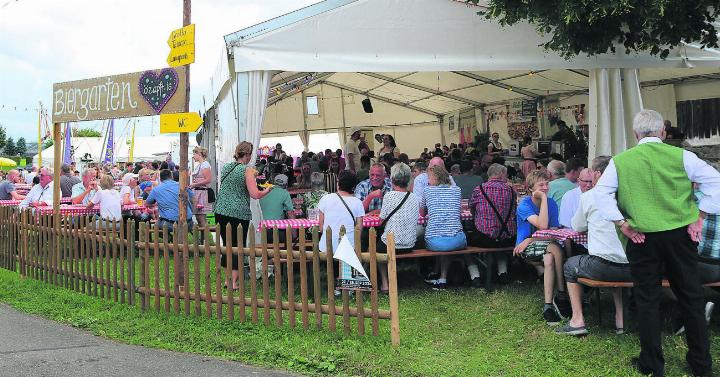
(381, 227)
(211, 195)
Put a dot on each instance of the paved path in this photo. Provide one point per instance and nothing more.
(32, 346)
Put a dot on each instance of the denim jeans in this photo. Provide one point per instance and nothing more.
(450, 243)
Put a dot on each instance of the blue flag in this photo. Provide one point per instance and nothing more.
(110, 145)
(67, 154)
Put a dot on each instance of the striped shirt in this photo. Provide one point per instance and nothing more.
(443, 205)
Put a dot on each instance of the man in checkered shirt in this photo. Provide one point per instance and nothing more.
(494, 214)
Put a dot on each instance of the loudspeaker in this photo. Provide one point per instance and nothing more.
(367, 106)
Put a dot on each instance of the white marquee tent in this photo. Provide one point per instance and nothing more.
(419, 61)
(147, 148)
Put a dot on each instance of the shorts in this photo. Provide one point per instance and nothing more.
(596, 268)
(535, 250)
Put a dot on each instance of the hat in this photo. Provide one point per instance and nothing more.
(281, 180)
(127, 177)
(354, 130)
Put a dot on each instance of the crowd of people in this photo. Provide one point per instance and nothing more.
(644, 210)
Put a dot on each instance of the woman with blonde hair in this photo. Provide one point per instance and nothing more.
(201, 179)
(237, 185)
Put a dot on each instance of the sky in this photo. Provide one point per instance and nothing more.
(47, 41)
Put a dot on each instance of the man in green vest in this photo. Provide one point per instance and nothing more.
(656, 210)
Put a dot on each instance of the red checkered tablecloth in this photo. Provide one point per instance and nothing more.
(22, 186)
(368, 221)
(9, 203)
(561, 235)
(79, 210)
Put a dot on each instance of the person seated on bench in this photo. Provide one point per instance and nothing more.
(605, 261)
(399, 214)
(539, 212)
(166, 197)
(277, 205)
(493, 207)
(444, 232)
(340, 209)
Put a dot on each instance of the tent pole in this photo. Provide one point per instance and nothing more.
(442, 134)
(344, 126)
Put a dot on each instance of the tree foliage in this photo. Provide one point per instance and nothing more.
(21, 147)
(3, 137)
(597, 26)
(87, 132)
(10, 147)
(47, 144)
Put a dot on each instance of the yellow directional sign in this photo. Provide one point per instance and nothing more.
(181, 37)
(181, 122)
(182, 46)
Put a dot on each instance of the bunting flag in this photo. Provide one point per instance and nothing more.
(132, 145)
(67, 153)
(110, 145)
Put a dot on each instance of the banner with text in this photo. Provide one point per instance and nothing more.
(153, 92)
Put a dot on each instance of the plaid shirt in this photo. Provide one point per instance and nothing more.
(709, 246)
(500, 194)
(363, 189)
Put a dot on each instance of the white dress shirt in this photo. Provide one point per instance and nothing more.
(38, 194)
(568, 207)
(603, 239)
(698, 171)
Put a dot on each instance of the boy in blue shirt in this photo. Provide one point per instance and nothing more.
(538, 212)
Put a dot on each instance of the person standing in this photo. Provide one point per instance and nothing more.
(352, 151)
(67, 181)
(529, 155)
(495, 147)
(656, 210)
(237, 185)
(201, 179)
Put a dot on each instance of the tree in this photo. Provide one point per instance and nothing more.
(47, 144)
(10, 147)
(87, 132)
(21, 147)
(596, 26)
(3, 136)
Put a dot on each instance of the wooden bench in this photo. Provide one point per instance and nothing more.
(488, 258)
(599, 284)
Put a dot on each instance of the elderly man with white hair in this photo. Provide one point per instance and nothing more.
(41, 194)
(571, 199)
(656, 210)
(83, 191)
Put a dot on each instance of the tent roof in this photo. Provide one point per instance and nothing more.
(438, 93)
(415, 35)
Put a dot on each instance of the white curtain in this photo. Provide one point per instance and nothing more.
(305, 139)
(614, 100)
(253, 89)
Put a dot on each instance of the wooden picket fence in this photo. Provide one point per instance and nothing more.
(143, 265)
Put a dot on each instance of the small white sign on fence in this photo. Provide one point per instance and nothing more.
(352, 273)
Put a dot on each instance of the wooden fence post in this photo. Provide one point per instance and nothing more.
(393, 294)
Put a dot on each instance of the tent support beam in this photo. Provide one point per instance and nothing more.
(581, 72)
(495, 83)
(384, 99)
(424, 89)
(318, 79)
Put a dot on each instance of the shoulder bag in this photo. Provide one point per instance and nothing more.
(211, 192)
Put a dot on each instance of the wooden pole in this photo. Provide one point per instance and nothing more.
(57, 142)
(184, 141)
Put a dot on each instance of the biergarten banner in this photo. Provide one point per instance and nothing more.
(153, 92)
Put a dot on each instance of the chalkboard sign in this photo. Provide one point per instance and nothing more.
(529, 108)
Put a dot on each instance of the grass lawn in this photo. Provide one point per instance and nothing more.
(458, 332)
